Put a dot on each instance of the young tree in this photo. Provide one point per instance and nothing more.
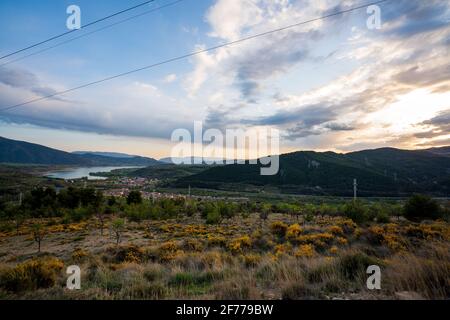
(264, 213)
(19, 219)
(118, 226)
(420, 207)
(100, 214)
(134, 197)
(38, 234)
(111, 201)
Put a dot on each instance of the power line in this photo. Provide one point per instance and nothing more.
(192, 54)
(92, 32)
(71, 31)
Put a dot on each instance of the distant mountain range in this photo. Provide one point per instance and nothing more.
(192, 160)
(13, 151)
(384, 172)
(105, 154)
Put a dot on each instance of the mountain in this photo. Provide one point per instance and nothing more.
(384, 172)
(192, 160)
(13, 151)
(168, 171)
(105, 154)
(99, 160)
(443, 151)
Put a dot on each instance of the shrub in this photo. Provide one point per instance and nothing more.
(31, 275)
(356, 211)
(134, 197)
(293, 231)
(213, 216)
(130, 253)
(168, 251)
(334, 250)
(218, 241)
(137, 212)
(238, 244)
(192, 245)
(336, 230)
(226, 210)
(354, 265)
(279, 228)
(306, 250)
(420, 207)
(118, 226)
(382, 217)
(79, 255)
(251, 260)
(264, 213)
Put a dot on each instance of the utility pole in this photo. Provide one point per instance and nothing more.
(355, 187)
(189, 191)
(20, 198)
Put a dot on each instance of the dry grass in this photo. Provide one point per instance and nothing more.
(239, 259)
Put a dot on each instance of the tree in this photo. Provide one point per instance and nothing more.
(356, 211)
(213, 216)
(264, 213)
(111, 201)
(38, 235)
(420, 207)
(134, 197)
(100, 214)
(190, 208)
(118, 226)
(19, 219)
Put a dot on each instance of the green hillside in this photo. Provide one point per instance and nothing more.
(384, 171)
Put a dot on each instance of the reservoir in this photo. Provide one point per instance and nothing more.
(82, 172)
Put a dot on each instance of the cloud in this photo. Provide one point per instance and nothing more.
(23, 79)
(138, 109)
(406, 18)
(170, 78)
(321, 83)
(437, 126)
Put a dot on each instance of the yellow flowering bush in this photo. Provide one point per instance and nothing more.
(306, 250)
(282, 249)
(279, 228)
(31, 275)
(293, 231)
(238, 244)
(251, 260)
(168, 251)
(336, 230)
(214, 240)
(79, 254)
(334, 250)
(193, 245)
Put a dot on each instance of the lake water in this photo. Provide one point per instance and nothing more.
(82, 172)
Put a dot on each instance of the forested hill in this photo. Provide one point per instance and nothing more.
(385, 171)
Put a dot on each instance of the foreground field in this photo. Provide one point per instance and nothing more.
(244, 257)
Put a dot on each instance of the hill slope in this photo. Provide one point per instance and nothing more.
(13, 151)
(386, 171)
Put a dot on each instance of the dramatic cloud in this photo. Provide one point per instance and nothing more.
(329, 84)
(18, 78)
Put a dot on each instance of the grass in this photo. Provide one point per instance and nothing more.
(284, 257)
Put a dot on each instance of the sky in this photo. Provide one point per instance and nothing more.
(332, 84)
